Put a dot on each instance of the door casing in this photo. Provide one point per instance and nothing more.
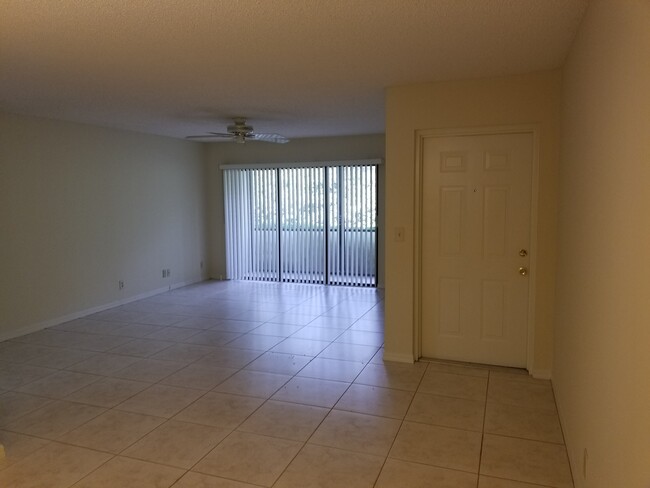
(420, 136)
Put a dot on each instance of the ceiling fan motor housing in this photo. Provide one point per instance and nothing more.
(239, 128)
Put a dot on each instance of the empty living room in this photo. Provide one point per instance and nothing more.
(324, 244)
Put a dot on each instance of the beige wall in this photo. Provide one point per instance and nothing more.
(309, 149)
(601, 371)
(82, 207)
(527, 99)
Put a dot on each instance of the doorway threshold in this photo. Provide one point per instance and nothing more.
(488, 367)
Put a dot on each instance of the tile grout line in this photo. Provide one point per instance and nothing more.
(480, 454)
(304, 444)
(401, 425)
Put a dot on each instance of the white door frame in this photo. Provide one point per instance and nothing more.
(420, 136)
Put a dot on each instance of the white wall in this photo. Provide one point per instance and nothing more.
(82, 207)
(602, 340)
(514, 100)
(308, 149)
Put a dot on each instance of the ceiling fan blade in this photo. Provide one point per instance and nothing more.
(212, 135)
(277, 138)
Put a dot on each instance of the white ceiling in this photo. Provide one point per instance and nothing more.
(298, 67)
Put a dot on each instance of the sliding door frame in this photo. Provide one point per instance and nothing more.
(334, 276)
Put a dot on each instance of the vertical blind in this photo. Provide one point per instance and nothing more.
(302, 224)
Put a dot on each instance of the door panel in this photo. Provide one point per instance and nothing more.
(450, 306)
(493, 310)
(452, 203)
(476, 204)
(495, 221)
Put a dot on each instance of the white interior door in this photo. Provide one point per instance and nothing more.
(476, 213)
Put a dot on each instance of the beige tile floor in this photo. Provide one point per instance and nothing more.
(236, 384)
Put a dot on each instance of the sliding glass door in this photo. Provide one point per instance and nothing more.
(251, 214)
(302, 238)
(302, 224)
(352, 245)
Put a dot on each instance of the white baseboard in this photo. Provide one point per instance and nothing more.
(28, 329)
(398, 358)
(541, 374)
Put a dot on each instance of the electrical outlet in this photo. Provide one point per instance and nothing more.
(120, 284)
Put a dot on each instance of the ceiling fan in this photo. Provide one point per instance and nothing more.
(240, 132)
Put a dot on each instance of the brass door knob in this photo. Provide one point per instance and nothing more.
(523, 271)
